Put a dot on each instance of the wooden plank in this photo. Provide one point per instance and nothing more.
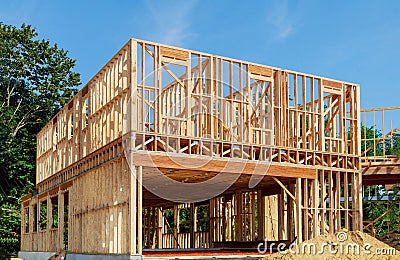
(239, 215)
(299, 219)
(261, 215)
(359, 200)
(260, 70)
(176, 162)
(133, 210)
(140, 209)
(176, 226)
(281, 215)
(305, 210)
(331, 202)
(331, 83)
(192, 225)
(315, 204)
(174, 53)
(290, 214)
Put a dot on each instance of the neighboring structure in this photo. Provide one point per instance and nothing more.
(276, 150)
(380, 160)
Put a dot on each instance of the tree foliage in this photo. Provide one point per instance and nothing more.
(390, 223)
(369, 133)
(36, 81)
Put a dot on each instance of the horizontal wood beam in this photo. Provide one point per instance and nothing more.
(179, 162)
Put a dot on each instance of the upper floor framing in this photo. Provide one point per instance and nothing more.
(189, 102)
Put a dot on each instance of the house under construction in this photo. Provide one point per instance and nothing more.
(173, 150)
(380, 162)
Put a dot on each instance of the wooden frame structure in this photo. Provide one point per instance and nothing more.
(157, 108)
(380, 164)
(379, 160)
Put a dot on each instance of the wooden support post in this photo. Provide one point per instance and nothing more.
(216, 219)
(60, 220)
(211, 221)
(37, 223)
(281, 215)
(331, 203)
(192, 224)
(359, 206)
(133, 87)
(133, 210)
(23, 221)
(323, 200)
(253, 215)
(223, 218)
(290, 213)
(160, 227)
(130, 104)
(321, 120)
(354, 195)
(346, 201)
(358, 201)
(140, 209)
(239, 216)
(261, 215)
(188, 97)
(305, 213)
(229, 223)
(315, 204)
(337, 203)
(299, 219)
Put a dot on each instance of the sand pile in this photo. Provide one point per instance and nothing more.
(343, 245)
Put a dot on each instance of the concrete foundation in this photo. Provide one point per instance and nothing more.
(47, 255)
(105, 257)
(35, 255)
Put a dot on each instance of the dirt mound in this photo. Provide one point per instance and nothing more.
(392, 238)
(343, 245)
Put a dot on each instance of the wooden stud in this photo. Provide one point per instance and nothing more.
(158, 116)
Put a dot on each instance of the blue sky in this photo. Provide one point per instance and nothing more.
(356, 41)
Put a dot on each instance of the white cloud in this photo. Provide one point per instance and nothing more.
(280, 18)
(171, 21)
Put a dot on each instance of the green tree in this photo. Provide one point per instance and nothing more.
(367, 134)
(36, 81)
(393, 145)
(389, 224)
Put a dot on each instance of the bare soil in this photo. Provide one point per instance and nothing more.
(330, 247)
